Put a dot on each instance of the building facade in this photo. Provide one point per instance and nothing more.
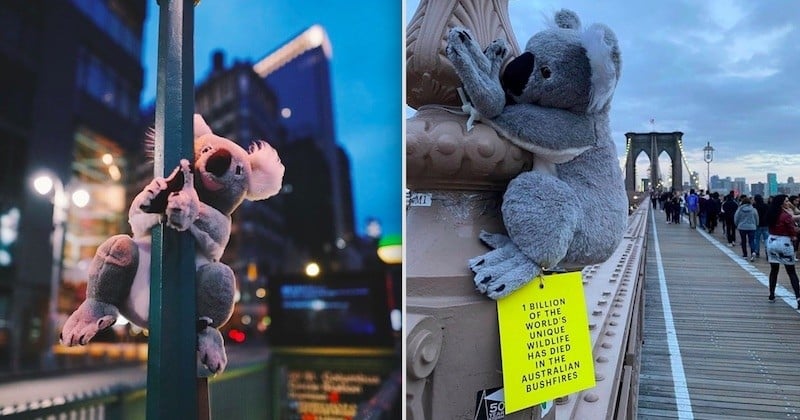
(772, 184)
(319, 203)
(71, 83)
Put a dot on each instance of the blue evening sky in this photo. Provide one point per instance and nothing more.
(366, 69)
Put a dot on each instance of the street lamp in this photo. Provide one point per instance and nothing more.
(44, 184)
(708, 156)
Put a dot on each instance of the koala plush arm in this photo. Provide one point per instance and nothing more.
(551, 133)
(211, 231)
(141, 222)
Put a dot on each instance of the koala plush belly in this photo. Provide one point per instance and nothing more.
(137, 306)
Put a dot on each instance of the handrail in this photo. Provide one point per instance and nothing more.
(613, 293)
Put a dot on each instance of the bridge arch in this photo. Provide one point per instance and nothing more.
(653, 144)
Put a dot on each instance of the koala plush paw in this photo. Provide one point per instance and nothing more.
(502, 270)
(183, 206)
(90, 318)
(211, 350)
(464, 51)
(496, 52)
(479, 73)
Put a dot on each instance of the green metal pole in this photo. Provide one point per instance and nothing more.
(171, 365)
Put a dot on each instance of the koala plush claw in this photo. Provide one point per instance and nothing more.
(211, 350)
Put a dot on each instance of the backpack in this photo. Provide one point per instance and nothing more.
(691, 202)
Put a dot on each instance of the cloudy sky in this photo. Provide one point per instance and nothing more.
(365, 70)
(720, 71)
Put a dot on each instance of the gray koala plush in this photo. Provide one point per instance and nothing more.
(553, 100)
(200, 198)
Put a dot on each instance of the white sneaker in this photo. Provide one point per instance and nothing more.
(752, 256)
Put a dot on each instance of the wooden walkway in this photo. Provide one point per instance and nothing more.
(718, 349)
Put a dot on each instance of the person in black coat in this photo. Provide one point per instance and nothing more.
(729, 209)
(712, 212)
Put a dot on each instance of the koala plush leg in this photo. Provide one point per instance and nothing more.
(211, 349)
(541, 215)
(110, 277)
(504, 276)
(215, 289)
(478, 70)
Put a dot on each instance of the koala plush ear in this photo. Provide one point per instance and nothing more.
(567, 19)
(200, 126)
(604, 59)
(266, 174)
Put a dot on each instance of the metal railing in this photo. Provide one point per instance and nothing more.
(239, 393)
(613, 291)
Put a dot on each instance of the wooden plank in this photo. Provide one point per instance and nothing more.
(739, 351)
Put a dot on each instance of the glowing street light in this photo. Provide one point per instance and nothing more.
(43, 184)
(390, 249)
(312, 269)
(708, 156)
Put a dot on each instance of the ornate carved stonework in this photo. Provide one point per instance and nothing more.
(430, 77)
(452, 337)
(440, 152)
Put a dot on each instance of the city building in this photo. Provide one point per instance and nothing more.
(74, 121)
(759, 188)
(237, 105)
(740, 186)
(772, 184)
(319, 201)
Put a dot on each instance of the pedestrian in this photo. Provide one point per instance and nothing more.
(676, 208)
(762, 230)
(702, 208)
(782, 231)
(693, 206)
(746, 221)
(714, 207)
(729, 210)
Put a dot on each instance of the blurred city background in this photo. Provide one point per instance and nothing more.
(317, 266)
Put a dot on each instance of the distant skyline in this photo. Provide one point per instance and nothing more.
(720, 71)
(366, 71)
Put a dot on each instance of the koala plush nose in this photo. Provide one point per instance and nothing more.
(517, 73)
(219, 162)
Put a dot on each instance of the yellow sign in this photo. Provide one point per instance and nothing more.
(544, 341)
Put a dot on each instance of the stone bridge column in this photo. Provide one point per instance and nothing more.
(456, 181)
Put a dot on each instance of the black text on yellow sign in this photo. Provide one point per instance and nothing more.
(544, 341)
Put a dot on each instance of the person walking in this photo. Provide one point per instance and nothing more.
(714, 207)
(702, 206)
(746, 220)
(693, 206)
(762, 230)
(729, 210)
(782, 231)
(675, 209)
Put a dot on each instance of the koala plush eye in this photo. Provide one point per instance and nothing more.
(206, 149)
(545, 72)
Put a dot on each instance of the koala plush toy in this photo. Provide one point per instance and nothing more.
(198, 197)
(553, 100)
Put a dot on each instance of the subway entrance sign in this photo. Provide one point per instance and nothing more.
(334, 353)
